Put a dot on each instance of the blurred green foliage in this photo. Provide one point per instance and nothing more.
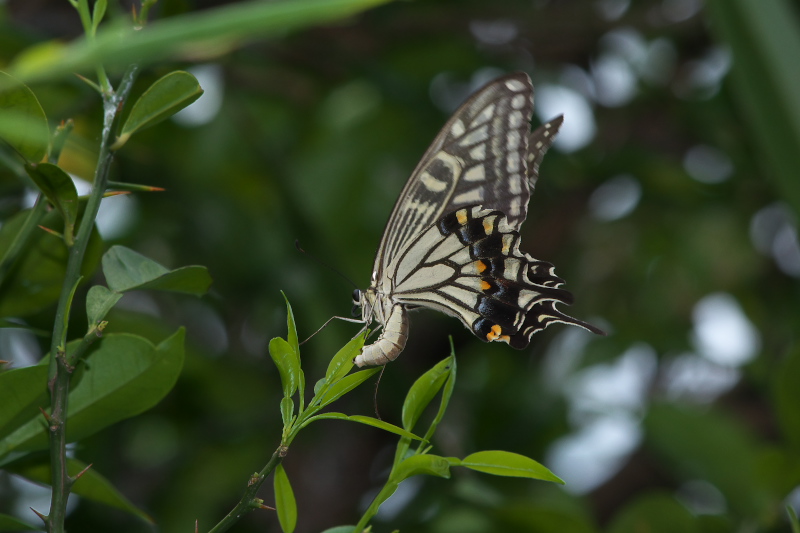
(310, 135)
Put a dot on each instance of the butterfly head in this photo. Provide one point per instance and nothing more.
(365, 305)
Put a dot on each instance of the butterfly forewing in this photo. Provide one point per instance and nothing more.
(478, 158)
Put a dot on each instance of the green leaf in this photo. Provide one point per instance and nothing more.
(340, 529)
(9, 523)
(127, 270)
(213, 29)
(288, 365)
(345, 385)
(431, 465)
(124, 375)
(59, 189)
(23, 123)
(368, 420)
(423, 390)
(500, 463)
(654, 513)
(285, 503)
(287, 410)
(91, 485)
(764, 38)
(22, 392)
(342, 362)
(34, 282)
(793, 519)
(99, 302)
(98, 13)
(164, 98)
(291, 336)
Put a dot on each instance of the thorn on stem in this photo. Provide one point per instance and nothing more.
(82, 472)
(52, 232)
(46, 416)
(40, 515)
(267, 507)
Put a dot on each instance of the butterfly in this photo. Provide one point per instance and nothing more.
(452, 240)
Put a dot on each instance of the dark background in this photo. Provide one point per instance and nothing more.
(665, 221)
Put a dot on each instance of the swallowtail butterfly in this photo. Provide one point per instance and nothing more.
(452, 240)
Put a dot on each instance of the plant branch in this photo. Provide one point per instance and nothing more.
(249, 500)
(60, 370)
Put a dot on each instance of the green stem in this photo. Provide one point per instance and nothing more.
(60, 372)
(249, 500)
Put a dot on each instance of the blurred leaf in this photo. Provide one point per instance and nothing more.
(24, 124)
(447, 392)
(346, 384)
(124, 376)
(34, 282)
(127, 270)
(287, 363)
(209, 32)
(164, 98)
(423, 390)
(59, 189)
(98, 12)
(340, 529)
(431, 465)
(793, 519)
(9, 523)
(22, 392)
(720, 452)
(285, 503)
(764, 38)
(99, 301)
(91, 485)
(500, 463)
(368, 420)
(786, 396)
(654, 513)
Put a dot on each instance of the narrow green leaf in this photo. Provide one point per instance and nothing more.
(230, 25)
(793, 519)
(423, 390)
(368, 420)
(345, 385)
(291, 336)
(500, 463)
(340, 529)
(60, 190)
(431, 465)
(98, 13)
(22, 392)
(99, 302)
(764, 39)
(164, 98)
(285, 503)
(287, 410)
(125, 375)
(447, 392)
(287, 363)
(91, 485)
(9, 523)
(342, 362)
(23, 124)
(127, 270)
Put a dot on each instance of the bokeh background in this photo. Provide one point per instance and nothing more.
(667, 203)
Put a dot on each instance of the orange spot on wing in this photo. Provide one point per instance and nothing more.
(485, 285)
(480, 266)
(495, 333)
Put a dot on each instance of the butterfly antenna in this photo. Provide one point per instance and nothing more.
(323, 263)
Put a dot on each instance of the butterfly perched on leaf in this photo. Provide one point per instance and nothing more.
(452, 240)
